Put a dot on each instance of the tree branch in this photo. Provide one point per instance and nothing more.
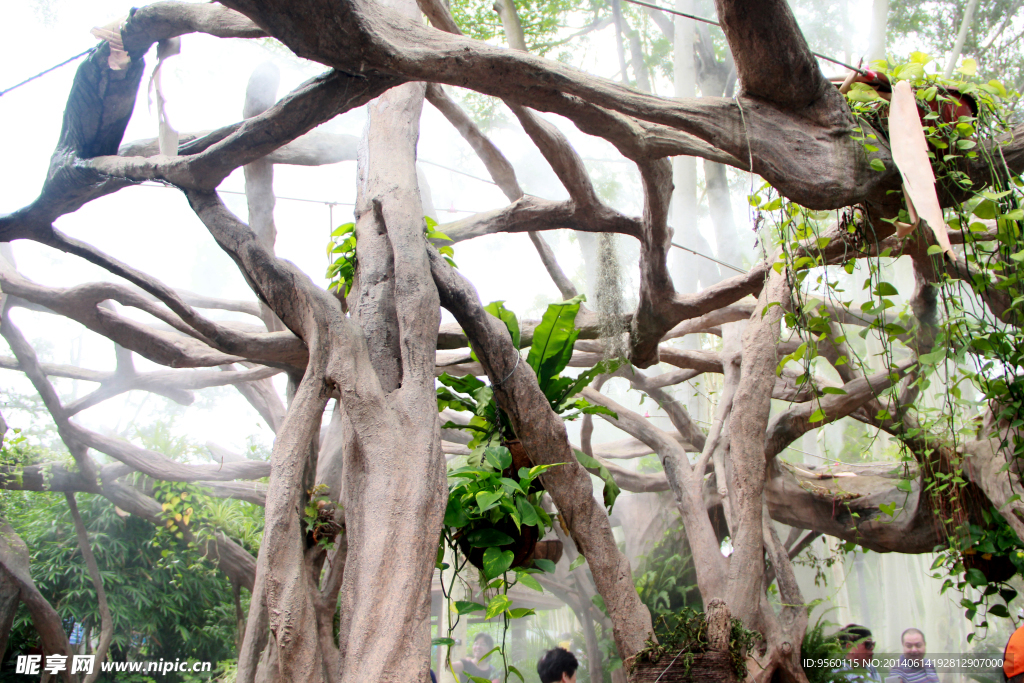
(106, 623)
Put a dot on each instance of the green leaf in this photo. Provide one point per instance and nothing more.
(488, 538)
(527, 512)
(888, 509)
(885, 289)
(577, 562)
(455, 515)
(818, 415)
(585, 378)
(877, 165)
(538, 469)
(512, 487)
(553, 340)
(999, 611)
(934, 250)
(515, 671)
(588, 409)
(454, 401)
(466, 385)
(520, 612)
(545, 566)
(833, 390)
(986, 209)
(498, 604)
(496, 562)
(448, 642)
(485, 500)
(498, 456)
(498, 310)
(904, 485)
(611, 489)
(343, 229)
(468, 607)
(976, 578)
(530, 582)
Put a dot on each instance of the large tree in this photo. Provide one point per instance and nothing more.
(375, 352)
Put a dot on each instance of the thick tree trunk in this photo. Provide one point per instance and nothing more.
(752, 404)
(394, 485)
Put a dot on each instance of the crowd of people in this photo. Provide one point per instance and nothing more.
(913, 666)
(860, 666)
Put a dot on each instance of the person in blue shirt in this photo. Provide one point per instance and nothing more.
(860, 649)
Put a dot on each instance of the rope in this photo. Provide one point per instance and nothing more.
(668, 667)
(43, 73)
(715, 23)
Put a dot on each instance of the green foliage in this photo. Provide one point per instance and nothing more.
(550, 351)
(161, 606)
(341, 253)
(318, 518)
(549, 354)
(611, 490)
(481, 498)
(184, 508)
(484, 507)
(817, 646)
(683, 635)
(984, 558)
(934, 27)
(973, 354)
(541, 21)
(665, 577)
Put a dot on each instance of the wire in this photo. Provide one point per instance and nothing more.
(709, 258)
(43, 73)
(291, 199)
(813, 455)
(455, 170)
(715, 23)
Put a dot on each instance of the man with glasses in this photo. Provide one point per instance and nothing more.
(860, 650)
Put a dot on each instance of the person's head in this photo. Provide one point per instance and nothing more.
(482, 644)
(860, 647)
(913, 642)
(1013, 657)
(557, 666)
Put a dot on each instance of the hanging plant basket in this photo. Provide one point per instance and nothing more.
(996, 568)
(547, 550)
(524, 540)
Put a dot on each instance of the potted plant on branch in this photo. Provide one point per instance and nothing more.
(550, 352)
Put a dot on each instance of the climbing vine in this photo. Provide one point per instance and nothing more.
(959, 352)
